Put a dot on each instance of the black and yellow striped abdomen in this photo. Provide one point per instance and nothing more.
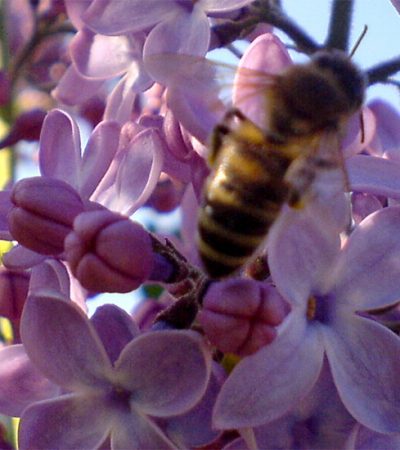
(242, 198)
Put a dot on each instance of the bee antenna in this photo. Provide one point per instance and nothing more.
(358, 42)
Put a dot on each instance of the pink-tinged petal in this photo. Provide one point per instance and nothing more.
(301, 250)
(363, 438)
(60, 148)
(20, 382)
(265, 56)
(75, 11)
(99, 152)
(112, 17)
(137, 431)
(69, 421)
(51, 275)
(178, 379)
(264, 386)
(20, 257)
(184, 33)
(221, 6)
(374, 175)
(5, 207)
(88, 50)
(365, 362)
(139, 171)
(115, 328)
(356, 138)
(74, 89)
(367, 274)
(63, 344)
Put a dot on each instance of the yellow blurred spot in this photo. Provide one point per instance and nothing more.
(229, 361)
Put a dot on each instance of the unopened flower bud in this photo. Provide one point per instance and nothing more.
(26, 127)
(13, 292)
(44, 211)
(108, 252)
(240, 315)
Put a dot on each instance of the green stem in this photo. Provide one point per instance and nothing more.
(340, 24)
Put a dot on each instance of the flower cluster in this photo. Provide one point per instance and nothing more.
(297, 348)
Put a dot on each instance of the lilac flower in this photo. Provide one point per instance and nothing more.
(157, 374)
(175, 26)
(326, 288)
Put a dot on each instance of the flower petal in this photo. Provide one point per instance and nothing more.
(264, 386)
(63, 344)
(69, 421)
(374, 175)
(20, 382)
(367, 274)
(112, 17)
(50, 275)
(167, 371)
(218, 6)
(20, 257)
(365, 362)
(137, 431)
(301, 250)
(60, 147)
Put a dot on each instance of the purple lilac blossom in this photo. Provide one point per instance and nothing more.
(101, 398)
(326, 287)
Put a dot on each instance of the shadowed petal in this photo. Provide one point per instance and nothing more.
(63, 344)
(20, 257)
(264, 386)
(68, 422)
(167, 371)
(137, 431)
(50, 275)
(368, 268)
(60, 147)
(365, 362)
(215, 6)
(20, 382)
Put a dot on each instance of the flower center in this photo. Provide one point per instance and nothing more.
(319, 308)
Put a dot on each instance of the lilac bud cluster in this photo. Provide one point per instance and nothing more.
(299, 348)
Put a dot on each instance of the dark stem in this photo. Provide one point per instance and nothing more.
(381, 72)
(339, 25)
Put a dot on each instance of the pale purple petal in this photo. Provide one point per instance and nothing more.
(374, 175)
(365, 361)
(88, 50)
(112, 17)
(264, 386)
(50, 275)
(301, 251)
(63, 344)
(220, 6)
(67, 422)
(115, 328)
(120, 100)
(75, 10)
(167, 371)
(355, 138)
(60, 148)
(20, 257)
(74, 89)
(99, 152)
(20, 382)
(365, 439)
(5, 207)
(266, 55)
(367, 274)
(396, 4)
(139, 171)
(137, 431)
(183, 32)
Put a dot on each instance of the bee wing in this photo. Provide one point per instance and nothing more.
(218, 85)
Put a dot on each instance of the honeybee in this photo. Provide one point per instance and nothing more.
(256, 170)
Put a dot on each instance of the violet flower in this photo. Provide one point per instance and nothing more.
(326, 288)
(158, 374)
